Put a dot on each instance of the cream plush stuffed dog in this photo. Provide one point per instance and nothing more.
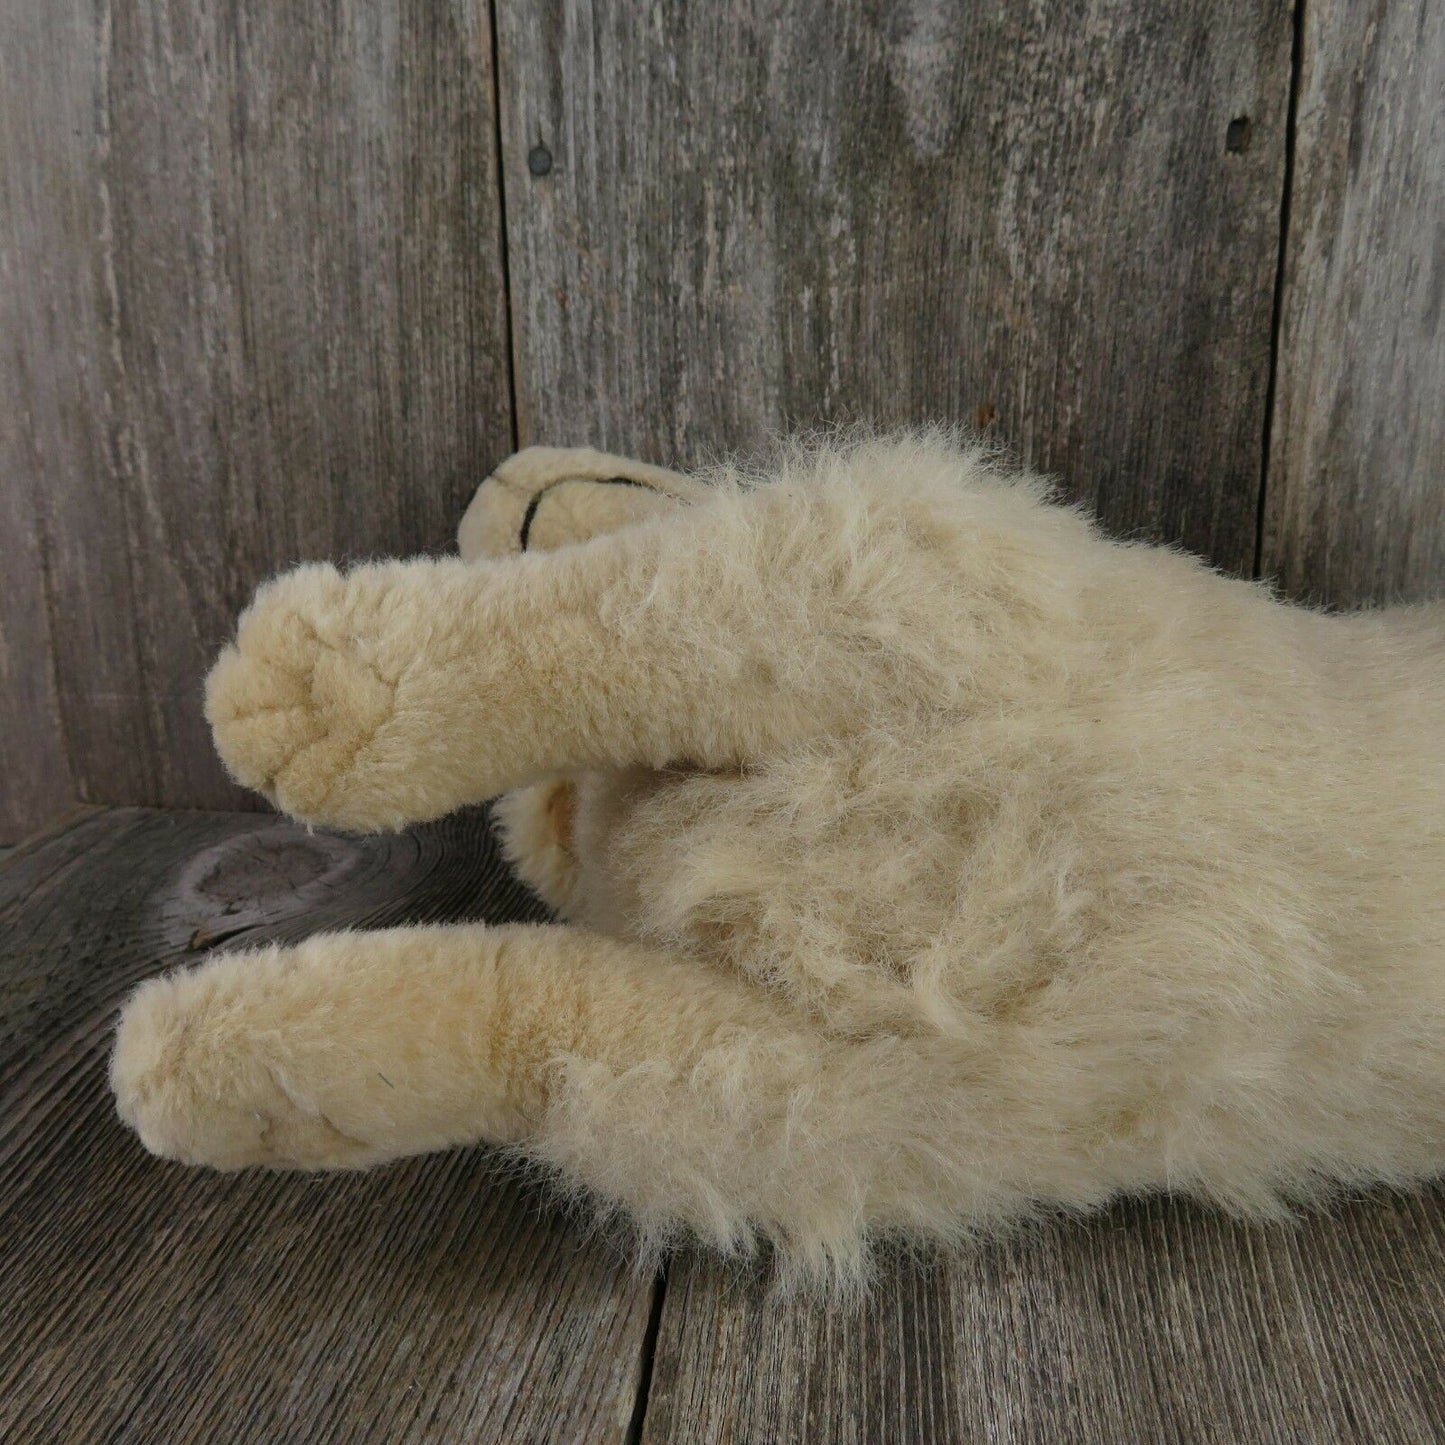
(926, 858)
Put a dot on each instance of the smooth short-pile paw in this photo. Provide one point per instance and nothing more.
(191, 1079)
(299, 698)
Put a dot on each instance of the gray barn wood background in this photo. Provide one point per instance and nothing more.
(284, 281)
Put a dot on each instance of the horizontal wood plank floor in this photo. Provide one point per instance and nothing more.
(443, 1300)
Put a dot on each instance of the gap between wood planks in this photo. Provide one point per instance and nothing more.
(649, 1359)
(508, 329)
(1276, 320)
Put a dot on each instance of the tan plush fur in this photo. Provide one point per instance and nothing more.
(926, 858)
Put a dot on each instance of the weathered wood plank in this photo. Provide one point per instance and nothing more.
(435, 1300)
(1355, 503)
(65, 822)
(1157, 1322)
(35, 776)
(35, 781)
(254, 312)
(724, 219)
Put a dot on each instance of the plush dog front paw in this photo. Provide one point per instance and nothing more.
(194, 1080)
(305, 694)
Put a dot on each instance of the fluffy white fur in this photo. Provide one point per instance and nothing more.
(926, 857)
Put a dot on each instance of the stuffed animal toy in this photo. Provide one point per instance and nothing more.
(923, 859)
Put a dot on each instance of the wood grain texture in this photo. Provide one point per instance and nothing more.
(434, 1300)
(37, 208)
(1156, 1322)
(726, 219)
(254, 313)
(1355, 504)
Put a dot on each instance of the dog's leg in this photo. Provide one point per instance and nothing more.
(539, 500)
(400, 691)
(354, 1048)
(684, 1094)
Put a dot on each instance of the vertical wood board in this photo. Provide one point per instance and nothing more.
(1355, 503)
(262, 319)
(1058, 221)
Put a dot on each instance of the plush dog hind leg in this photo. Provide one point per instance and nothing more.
(400, 691)
(685, 1095)
(354, 1048)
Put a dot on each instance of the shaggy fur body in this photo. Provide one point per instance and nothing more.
(926, 857)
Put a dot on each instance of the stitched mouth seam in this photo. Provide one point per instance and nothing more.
(530, 514)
